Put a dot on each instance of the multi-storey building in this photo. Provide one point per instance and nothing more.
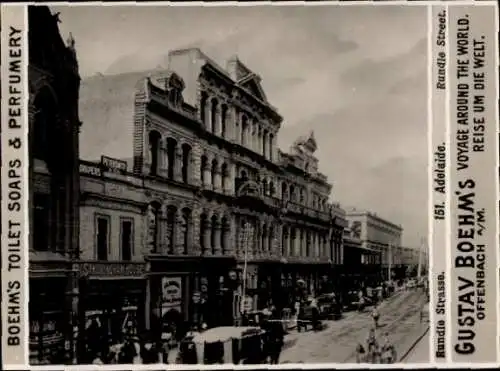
(54, 187)
(357, 261)
(379, 236)
(222, 201)
(112, 235)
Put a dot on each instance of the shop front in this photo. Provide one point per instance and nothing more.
(111, 305)
(183, 291)
(309, 278)
(49, 324)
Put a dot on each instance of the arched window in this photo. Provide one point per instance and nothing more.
(171, 152)
(224, 235)
(154, 150)
(308, 243)
(203, 103)
(203, 227)
(244, 176)
(203, 167)
(237, 132)
(213, 115)
(225, 176)
(186, 162)
(270, 236)
(264, 237)
(185, 229)
(223, 121)
(171, 210)
(213, 234)
(292, 193)
(272, 190)
(214, 172)
(271, 138)
(284, 191)
(264, 187)
(264, 143)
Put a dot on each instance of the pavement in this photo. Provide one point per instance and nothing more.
(419, 353)
(399, 316)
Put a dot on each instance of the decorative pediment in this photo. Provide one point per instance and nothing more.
(245, 78)
(252, 85)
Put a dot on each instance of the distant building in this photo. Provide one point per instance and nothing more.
(54, 188)
(380, 239)
(218, 197)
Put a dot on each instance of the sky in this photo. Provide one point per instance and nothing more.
(356, 75)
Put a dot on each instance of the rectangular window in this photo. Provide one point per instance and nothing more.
(41, 212)
(126, 242)
(102, 238)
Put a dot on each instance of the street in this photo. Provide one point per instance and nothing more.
(420, 353)
(399, 316)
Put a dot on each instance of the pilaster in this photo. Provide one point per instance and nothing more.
(208, 114)
(207, 243)
(217, 237)
(195, 169)
(195, 247)
(163, 159)
(217, 178)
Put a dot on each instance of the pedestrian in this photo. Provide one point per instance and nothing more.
(149, 353)
(388, 350)
(360, 352)
(375, 316)
(372, 345)
(276, 339)
(98, 359)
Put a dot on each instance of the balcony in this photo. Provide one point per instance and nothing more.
(297, 208)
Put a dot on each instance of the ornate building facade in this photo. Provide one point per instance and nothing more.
(221, 194)
(111, 270)
(230, 222)
(54, 188)
(380, 239)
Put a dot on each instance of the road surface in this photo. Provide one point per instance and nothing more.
(399, 316)
(419, 354)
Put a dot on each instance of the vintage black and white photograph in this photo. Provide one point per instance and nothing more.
(228, 184)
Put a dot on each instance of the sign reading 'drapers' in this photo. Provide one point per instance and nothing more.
(473, 125)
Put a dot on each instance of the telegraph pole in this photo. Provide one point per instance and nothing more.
(245, 241)
(389, 258)
(422, 242)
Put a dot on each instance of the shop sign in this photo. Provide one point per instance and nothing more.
(113, 165)
(89, 168)
(112, 269)
(171, 291)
